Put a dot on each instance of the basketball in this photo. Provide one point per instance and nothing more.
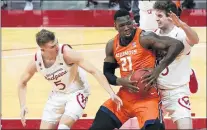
(136, 76)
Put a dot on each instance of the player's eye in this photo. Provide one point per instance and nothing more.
(53, 46)
(129, 23)
(121, 25)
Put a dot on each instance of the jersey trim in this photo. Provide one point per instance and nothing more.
(64, 46)
(35, 56)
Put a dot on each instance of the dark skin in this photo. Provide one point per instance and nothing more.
(148, 40)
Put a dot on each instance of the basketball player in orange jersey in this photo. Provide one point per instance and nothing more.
(65, 69)
(132, 49)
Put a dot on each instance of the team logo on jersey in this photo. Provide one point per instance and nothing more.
(56, 74)
(184, 102)
(61, 63)
(134, 44)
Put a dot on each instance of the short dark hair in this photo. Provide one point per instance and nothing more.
(44, 36)
(120, 13)
(166, 6)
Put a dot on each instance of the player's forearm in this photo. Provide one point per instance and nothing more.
(173, 51)
(190, 33)
(22, 94)
(109, 72)
(103, 82)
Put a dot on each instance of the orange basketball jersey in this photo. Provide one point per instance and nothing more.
(133, 56)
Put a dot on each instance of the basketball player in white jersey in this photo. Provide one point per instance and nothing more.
(147, 15)
(173, 82)
(65, 69)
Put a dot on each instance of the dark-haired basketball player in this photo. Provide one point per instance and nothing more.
(132, 49)
(174, 81)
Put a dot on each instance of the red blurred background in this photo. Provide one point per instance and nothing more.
(80, 18)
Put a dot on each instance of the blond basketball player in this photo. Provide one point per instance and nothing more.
(174, 80)
(147, 15)
(65, 69)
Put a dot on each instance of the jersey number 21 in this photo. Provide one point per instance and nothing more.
(126, 63)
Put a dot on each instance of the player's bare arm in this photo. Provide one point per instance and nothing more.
(173, 47)
(25, 77)
(191, 36)
(110, 65)
(71, 56)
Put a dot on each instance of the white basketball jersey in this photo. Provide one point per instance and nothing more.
(178, 72)
(63, 77)
(147, 15)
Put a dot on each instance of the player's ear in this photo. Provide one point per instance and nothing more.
(115, 26)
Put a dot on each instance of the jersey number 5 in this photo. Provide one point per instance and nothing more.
(126, 63)
(60, 85)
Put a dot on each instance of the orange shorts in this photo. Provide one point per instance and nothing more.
(143, 109)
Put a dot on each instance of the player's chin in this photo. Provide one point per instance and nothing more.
(160, 26)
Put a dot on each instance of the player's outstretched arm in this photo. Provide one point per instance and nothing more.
(191, 36)
(110, 64)
(25, 77)
(71, 56)
(173, 47)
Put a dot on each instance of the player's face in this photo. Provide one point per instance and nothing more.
(124, 26)
(50, 48)
(162, 20)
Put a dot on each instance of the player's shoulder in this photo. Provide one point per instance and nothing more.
(148, 34)
(64, 48)
(37, 55)
(180, 34)
(110, 46)
(180, 31)
(110, 43)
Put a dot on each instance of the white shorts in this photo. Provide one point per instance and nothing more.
(176, 102)
(59, 104)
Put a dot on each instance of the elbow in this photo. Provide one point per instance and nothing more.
(196, 41)
(22, 85)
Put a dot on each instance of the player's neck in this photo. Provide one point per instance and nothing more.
(49, 57)
(167, 30)
(125, 41)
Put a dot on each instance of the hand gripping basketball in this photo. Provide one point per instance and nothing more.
(126, 82)
(146, 89)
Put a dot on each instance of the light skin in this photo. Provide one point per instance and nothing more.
(49, 53)
(166, 24)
